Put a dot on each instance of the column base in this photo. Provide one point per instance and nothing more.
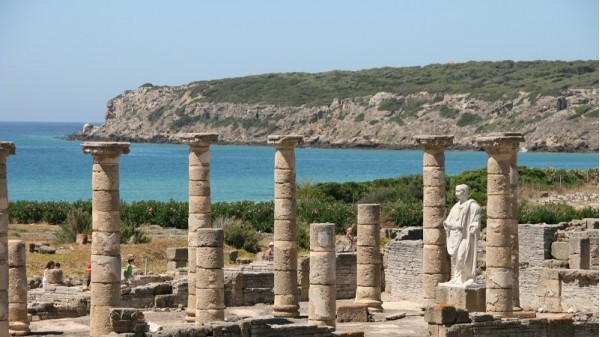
(468, 297)
(18, 329)
(373, 305)
(330, 323)
(286, 311)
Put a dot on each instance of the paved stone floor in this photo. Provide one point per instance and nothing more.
(412, 325)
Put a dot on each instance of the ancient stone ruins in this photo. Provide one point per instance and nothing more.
(504, 280)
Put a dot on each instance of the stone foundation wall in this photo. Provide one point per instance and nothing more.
(345, 264)
(404, 266)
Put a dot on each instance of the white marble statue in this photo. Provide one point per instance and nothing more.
(462, 233)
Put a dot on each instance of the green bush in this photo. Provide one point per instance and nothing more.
(468, 118)
(448, 112)
(239, 234)
(78, 221)
(131, 234)
(258, 214)
(403, 214)
(316, 211)
(553, 213)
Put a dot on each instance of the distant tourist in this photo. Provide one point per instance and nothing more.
(57, 265)
(270, 253)
(351, 238)
(88, 279)
(49, 265)
(128, 271)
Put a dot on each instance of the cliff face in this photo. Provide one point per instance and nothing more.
(385, 120)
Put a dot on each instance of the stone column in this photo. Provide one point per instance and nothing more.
(6, 149)
(501, 218)
(210, 288)
(322, 291)
(199, 204)
(368, 257)
(436, 261)
(18, 323)
(285, 249)
(106, 233)
(514, 228)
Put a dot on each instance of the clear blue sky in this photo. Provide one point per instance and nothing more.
(62, 60)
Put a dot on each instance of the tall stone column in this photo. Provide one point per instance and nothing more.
(501, 149)
(285, 249)
(199, 204)
(514, 228)
(106, 233)
(368, 257)
(210, 288)
(436, 261)
(6, 149)
(322, 291)
(18, 323)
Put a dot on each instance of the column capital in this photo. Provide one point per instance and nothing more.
(7, 148)
(283, 141)
(105, 149)
(202, 139)
(509, 140)
(434, 141)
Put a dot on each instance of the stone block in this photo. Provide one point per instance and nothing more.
(17, 312)
(210, 237)
(127, 320)
(285, 160)
(109, 221)
(105, 243)
(100, 323)
(498, 232)
(471, 299)
(199, 220)
(434, 236)
(199, 173)
(16, 253)
(284, 230)
(369, 214)
(199, 204)
(286, 282)
(106, 180)
(368, 235)
(560, 250)
(434, 197)
(435, 260)
(209, 315)
(55, 276)
(210, 299)
(209, 257)
(499, 278)
(106, 269)
(352, 312)
(368, 255)
(209, 278)
(285, 176)
(434, 176)
(498, 257)
(368, 275)
(433, 157)
(499, 301)
(322, 237)
(17, 280)
(106, 201)
(285, 209)
(440, 314)
(285, 191)
(323, 271)
(177, 254)
(371, 296)
(285, 255)
(199, 155)
(321, 302)
(430, 283)
(433, 217)
(499, 206)
(199, 188)
(106, 294)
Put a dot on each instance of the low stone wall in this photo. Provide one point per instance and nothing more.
(345, 275)
(57, 302)
(404, 266)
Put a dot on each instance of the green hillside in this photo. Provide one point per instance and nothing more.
(489, 81)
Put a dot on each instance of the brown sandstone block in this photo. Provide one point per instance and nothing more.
(106, 294)
(105, 201)
(199, 173)
(368, 255)
(285, 209)
(368, 235)
(104, 243)
(434, 177)
(498, 257)
(434, 197)
(106, 180)
(285, 191)
(499, 301)
(498, 183)
(434, 236)
(352, 312)
(498, 163)
(208, 315)
(440, 314)
(109, 221)
(199, 220)
(285, 176)
(199, 156)
(286, 254)
(321, 304)
(199, 204)
(209, 257)
(435, 260)
(17, 280)
(498, 232)
(17, 312)
(323, 268)
(286, 282)
(209, 278)
(434, 216)
(322, 237)
(210, 298)
(368, 275)
(434, 157)
(499, 206)
(16, 253)
(100, 321)
(499, 278)
(284, 230)
(369, 214)
(106, 269)
(210, 237)
(285, 159)
(560, 250)
(199, 187)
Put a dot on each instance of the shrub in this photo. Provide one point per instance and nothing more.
(553, 213)
(77, 221)
(131, 234)
(403, 214)
(240, 234)
(447, 112)
(316, 211)
(392, 104)
(468, 118)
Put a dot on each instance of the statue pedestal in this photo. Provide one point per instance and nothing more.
(469, 297)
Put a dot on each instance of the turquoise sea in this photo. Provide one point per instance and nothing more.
(49, 168)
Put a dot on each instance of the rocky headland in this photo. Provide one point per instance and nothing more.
(567, 121)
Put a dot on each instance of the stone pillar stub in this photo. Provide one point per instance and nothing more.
(18, 324)
(106, 256)
(322, 291)
(285, 260)
(436, 261)
(6, 149)
(210, 288)
(199, 210)
(503, 253)
(368, 255)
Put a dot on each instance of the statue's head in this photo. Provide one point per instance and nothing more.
(462, 192)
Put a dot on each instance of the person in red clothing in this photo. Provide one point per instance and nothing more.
(88, 280)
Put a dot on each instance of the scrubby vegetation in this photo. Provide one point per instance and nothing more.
(484, 80)
(401, 200)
